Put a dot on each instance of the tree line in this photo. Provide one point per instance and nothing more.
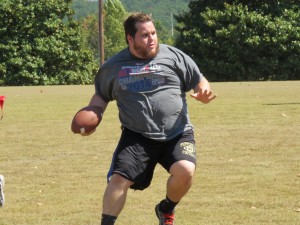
(238, 40)
(41, 43)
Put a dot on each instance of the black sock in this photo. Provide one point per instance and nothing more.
(167, 206)
(108, 220)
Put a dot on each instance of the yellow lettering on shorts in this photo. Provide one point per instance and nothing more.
(188, 149)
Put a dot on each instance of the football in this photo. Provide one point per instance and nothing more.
(86, 120)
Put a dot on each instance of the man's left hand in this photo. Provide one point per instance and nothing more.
(204, 96)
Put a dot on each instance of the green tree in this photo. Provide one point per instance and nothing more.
(84, 8)
(91, 33)
(243, 40)
(40, 44)
(162, 12)
(114, 38)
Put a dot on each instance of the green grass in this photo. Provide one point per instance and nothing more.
(248, 171)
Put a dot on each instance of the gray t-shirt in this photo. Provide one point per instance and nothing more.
(150, 94)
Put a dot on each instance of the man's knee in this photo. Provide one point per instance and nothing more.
(184, 170)
(120, 181)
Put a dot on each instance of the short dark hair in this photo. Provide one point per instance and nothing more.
(132, 20)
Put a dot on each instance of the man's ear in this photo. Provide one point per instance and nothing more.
(129, 39)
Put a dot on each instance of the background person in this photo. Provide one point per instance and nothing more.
(2, 199)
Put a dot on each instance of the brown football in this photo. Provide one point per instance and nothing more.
(86, 119)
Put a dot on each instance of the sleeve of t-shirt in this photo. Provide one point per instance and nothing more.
(103, 86)
(188, 71)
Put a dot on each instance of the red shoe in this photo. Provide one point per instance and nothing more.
(164, 218)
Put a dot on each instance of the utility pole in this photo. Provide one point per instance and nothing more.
(101, 32)
(172, 25)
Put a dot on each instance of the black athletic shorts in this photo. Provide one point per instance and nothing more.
(135, 157)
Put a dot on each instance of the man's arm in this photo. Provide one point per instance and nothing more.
(96, 100)
(202, 92)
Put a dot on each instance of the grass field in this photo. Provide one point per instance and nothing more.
(248, 171)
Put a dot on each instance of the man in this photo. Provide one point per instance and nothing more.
(2, 200)
(149, 81)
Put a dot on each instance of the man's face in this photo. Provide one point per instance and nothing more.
(144, 44)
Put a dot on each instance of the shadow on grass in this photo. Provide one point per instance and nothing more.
(286, 103)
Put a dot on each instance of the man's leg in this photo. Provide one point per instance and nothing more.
(114, 198)
(179, 183)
